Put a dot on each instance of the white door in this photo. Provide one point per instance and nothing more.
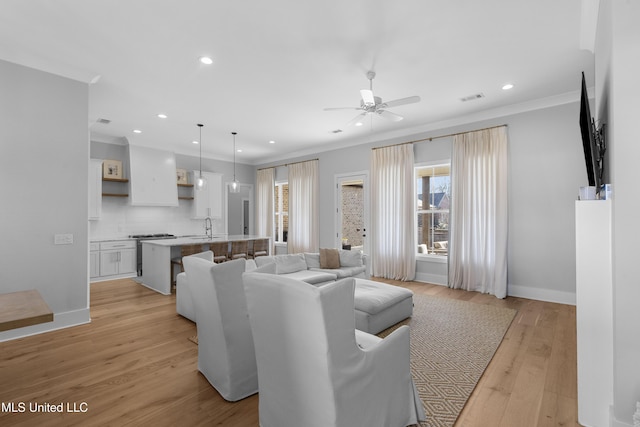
(352, 211)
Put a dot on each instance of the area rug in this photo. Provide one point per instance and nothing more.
(452, 342)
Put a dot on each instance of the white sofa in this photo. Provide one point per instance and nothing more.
(306, 266)
(377, 305)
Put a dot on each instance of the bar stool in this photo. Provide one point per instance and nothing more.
(238, 249)
(260, 248)
(220, 251)
(184, 251)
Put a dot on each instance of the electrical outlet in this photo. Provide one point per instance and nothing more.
(63, 239)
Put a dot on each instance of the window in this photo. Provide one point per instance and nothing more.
(433, 198)
(281, 204)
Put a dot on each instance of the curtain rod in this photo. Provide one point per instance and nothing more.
(287, 164)
(431, 138)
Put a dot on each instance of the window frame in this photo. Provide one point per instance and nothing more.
(278, 213)
(417, 212)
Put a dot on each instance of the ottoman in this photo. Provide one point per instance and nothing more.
(379, 305)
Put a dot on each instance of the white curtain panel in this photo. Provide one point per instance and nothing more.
(478, 240)
(303, 208)
(393, 247)
(264, 203)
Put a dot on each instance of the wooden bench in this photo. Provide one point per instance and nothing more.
(24, 308)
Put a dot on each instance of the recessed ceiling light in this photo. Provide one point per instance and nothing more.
(507, 86)
(206, 60)
(195, 142)
(272, 142)
(239, 150)
(137, 131)
(359, 124)
(162, 116)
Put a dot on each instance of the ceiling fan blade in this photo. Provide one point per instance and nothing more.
(389, 115)
(367, 97)
(357, 120)
(401, 101)
(342, 108)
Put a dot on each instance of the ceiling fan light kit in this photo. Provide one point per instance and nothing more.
(371, 104)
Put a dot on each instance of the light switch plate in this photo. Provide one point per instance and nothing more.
(63, 239)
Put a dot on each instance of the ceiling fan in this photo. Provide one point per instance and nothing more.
(370, 104)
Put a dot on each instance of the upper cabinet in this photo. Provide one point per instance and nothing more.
(208, 201)
(153, 177)
(95, 189)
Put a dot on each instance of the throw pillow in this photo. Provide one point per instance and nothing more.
(312, 259)
(329, 258)
(350, 258)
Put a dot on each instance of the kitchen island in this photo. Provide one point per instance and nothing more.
(157, 256)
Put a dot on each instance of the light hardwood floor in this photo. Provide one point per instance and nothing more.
(134, 365)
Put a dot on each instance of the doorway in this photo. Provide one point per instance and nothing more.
(239, 220)
(352, 211)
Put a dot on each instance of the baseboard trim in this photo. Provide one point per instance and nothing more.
(60, 321)
(548, 295)
(434, 279)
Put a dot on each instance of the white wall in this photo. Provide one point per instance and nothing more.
(44, 186)
(617, 71)
(546, 169)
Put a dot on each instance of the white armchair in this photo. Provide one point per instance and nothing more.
(226, 354)
(315, 369)
(184, 301)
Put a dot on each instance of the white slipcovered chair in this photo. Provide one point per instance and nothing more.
(184, 302)
(315, 368)
(226, 354)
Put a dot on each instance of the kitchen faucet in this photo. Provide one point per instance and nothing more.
(208, 227)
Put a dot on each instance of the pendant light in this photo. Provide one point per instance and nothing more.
(201, 182)
(235, 185)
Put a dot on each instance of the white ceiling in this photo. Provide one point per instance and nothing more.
(278, 63)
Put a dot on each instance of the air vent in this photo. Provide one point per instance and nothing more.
(336, 131)
(103, 121)
(472, 97)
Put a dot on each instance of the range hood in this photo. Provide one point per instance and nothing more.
(153, 177)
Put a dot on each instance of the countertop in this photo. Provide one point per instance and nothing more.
(190, 240)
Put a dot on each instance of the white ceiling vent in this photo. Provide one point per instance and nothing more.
(472, 97)
(103, 121)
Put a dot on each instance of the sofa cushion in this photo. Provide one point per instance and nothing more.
(290, 263)
(264, 260)
(312, 259)
(350, 258)
(342, 272)
(329, 258)
(251, 265)
(312, 277)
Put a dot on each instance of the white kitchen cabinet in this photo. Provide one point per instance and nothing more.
(117, 258)
(94, 260)
(95, 189)
(208, 201)
(153, 177)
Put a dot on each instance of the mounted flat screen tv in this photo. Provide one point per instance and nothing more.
(592, 141)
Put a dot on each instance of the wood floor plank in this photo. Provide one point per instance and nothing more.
(134, 365)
